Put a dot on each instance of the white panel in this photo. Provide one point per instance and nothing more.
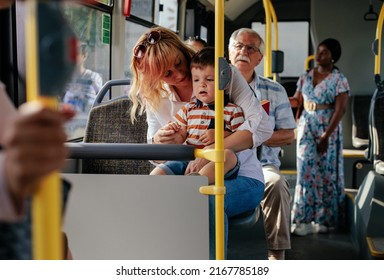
(137, 217)
(233, 8)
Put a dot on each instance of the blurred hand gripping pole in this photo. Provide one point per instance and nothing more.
(50, 61)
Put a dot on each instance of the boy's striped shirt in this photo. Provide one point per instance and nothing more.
(198, 118)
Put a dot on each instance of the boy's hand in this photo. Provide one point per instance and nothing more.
(173, 126)
(208, 137)
(171, 133)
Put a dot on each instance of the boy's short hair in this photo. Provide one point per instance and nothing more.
(197, 39)
(204, 57)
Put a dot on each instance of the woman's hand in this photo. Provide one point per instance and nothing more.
(172, 126)
(196, 165)
(171, 133)
(322, 144)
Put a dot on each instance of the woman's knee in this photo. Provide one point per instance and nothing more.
(230, 157)
(157, 171)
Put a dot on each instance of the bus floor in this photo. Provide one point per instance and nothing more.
(250, 244)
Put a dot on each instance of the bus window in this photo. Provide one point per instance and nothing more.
(143, 9)
(93, 30)
(168, 14)
(132, 33)
(204, 33)
(293, 41)
(106, 2)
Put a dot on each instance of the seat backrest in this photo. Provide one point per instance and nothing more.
(360, 105)
(376, 127)
(290, 87)
(110, 123)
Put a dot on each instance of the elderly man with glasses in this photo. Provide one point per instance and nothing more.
(246, 52)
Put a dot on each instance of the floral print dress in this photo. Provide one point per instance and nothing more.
(320, 178)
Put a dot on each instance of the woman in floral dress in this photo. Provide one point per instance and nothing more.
(319, 199)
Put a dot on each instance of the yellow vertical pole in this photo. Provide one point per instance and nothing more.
(268, 39)
(275, 25)
(46, 203)
(378, 38)
(219, 129)
(276, 34)
(307, 61)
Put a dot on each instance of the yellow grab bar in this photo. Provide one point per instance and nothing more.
(308, 60)
(378, 39)
(268, 39)
(46, 203)
(219, 130)
(217, 155)
(276, 34)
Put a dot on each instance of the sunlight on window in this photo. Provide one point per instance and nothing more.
(293, 41)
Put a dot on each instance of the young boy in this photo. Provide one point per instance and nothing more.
(195, 120)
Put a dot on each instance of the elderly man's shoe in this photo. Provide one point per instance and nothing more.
(274, 255)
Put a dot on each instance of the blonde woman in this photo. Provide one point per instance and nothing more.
(162, 84)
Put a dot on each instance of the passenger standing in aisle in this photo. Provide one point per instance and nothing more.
(319, 195)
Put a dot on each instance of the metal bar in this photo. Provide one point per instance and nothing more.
(276, 34)
(378, 38)
(219, 131)
(268, 39)
(46, 203)
(130, 151)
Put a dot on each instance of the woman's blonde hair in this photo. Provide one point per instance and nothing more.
(148, 71)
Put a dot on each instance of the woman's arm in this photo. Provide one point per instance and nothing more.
(340, 107)
(257, 121)
(296, 100)
(158, 132)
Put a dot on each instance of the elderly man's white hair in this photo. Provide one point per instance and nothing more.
(249, 31)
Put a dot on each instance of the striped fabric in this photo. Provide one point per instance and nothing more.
(200, 118)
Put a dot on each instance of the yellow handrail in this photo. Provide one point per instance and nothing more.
(268, 39)
(276, 37)
(219, 131)
(46, 203)
(308, 60)
(216, 155)
(378, 39)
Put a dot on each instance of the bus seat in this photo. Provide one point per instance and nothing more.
(290, 87)
(360, 114)
(376, 130)
(369, 211)
(110, 122)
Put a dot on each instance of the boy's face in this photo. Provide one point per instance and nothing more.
(203, 81)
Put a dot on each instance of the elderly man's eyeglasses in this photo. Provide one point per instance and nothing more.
(152, 38)
(249, 48)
